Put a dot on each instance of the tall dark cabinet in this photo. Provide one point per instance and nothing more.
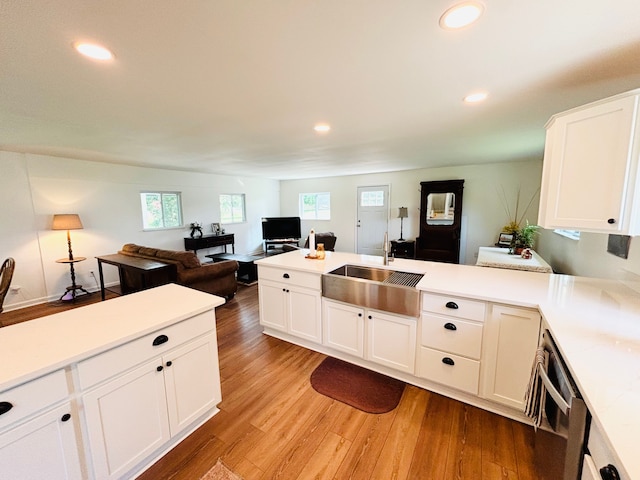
(440, 221)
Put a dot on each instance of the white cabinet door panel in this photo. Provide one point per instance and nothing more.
(344, 328)
(590, 168)
(44, 447)
(392, 341)
(127, 420)
(273, 306)
(192, 381)
(305, 313)
(510, 342)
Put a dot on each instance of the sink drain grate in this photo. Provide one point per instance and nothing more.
(403, 278)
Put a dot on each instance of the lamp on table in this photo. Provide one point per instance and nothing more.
(69, 221)
(403, 213)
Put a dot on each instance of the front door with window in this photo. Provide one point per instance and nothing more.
(373, 216)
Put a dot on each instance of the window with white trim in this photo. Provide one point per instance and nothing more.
(232, 208)
(315, 206)
(572, 234)
(161, 210)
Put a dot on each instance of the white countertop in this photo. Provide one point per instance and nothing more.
(31, 349)
(500, 258)
(595, 322)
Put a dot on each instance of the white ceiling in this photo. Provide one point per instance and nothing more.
(235, 86)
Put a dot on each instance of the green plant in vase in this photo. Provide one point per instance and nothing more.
(525, 237)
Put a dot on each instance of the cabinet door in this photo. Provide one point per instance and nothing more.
(391, 341)
(587, 166)
(509, 347)
(343, 328)
(192, 381)
(273, 306)
(305, 313)
(127, 420)
(44, 447)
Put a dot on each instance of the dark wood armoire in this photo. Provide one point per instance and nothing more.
(440, 221)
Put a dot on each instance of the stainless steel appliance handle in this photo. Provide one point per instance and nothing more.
(551, 389)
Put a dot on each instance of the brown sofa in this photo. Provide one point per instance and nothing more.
(215, 278)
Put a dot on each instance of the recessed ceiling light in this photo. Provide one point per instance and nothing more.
(91, 50)
(322, 128)
(461, 15)
(476, 97)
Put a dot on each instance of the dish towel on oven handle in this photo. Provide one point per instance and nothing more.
(535, 390)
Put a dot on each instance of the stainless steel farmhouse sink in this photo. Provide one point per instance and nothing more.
(370, 287)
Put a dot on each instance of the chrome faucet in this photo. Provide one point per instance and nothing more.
(385, 250)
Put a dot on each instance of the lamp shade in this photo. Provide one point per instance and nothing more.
(66, 221)
(403, 212)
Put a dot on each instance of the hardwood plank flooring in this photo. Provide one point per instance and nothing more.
(273, 425)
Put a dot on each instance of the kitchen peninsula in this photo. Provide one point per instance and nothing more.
(595, 322)
(104, 390)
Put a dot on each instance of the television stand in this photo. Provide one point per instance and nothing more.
(270, 247)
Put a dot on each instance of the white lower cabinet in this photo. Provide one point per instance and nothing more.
(343, 327)
(291, 308)
(391, 340)
(43, 447)
(451, 341)
(127, 420)
(38, 430)
(449, 369)
(509, 346)
(137, 412)
(386, 339)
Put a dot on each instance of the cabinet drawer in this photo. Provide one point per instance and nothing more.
(463, 374)
(452, 335)
(292, 277)
(33, 396)
(454, 306)
(119, 359)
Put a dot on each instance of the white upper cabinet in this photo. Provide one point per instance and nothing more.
(589, 177)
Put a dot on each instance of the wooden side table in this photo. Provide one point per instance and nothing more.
(403, 248)
(73, 288)
(147, 273)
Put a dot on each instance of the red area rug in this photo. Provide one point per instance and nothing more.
(363, 389)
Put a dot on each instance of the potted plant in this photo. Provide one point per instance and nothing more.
(525, 237)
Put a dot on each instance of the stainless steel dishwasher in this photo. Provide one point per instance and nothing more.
(559, 444)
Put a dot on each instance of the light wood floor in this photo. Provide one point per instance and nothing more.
(273, 425)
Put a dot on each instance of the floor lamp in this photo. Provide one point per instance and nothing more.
(402, 214)
(69, 221)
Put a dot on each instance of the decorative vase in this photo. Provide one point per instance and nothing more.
(320, 253)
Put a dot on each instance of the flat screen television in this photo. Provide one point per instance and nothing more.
(280, 228)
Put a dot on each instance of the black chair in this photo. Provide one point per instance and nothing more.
(6, 274)
(326, 238)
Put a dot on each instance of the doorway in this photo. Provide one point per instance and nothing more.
(373, 219)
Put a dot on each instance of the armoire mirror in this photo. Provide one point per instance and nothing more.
(440, 221)
(440, 208)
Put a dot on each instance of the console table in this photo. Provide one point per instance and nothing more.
(403, 248)
(148, 273)
(209, 241)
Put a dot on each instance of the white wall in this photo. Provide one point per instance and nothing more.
(107, 198)
(588, 256)
(482, 207)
